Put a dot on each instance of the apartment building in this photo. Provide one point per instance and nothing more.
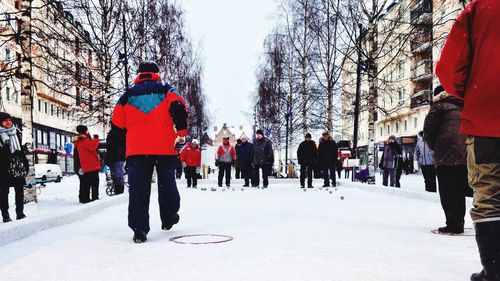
(411, 35)
(63, 77)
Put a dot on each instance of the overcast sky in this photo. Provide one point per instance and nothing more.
(231, 35)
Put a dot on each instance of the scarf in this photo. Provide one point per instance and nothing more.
(9, 137)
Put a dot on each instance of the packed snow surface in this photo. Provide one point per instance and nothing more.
(280, 233)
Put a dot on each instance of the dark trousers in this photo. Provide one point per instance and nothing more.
(329, 173)
(306, 171)
(224, 168)
(246, 172)
(140, 172)
(453, 186)
(265, 173)
(191, 176)
(399, 172)
(389, 174)
(89, 182)
(487, 237)
(238, 172)
(429, 173)
(4, 198)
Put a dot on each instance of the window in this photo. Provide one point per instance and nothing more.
(381, 131)
(7, 55)
(52, 110)
(46, 107)
(406, 125)
(397, 127)
(16, 97)
(7, 93)
(401, 93)
(57, 111)
(39, 105)
(388, 130)
(45, 140)
(415, 122)
(391, 101)
(401, 69)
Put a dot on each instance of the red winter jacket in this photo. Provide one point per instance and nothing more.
(152, 114)
(191, 156)
(221, 151)
(87, 152)
(469, 67)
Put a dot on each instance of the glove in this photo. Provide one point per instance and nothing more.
(198, 170)
(180, 139)
(183, 164)
(380, 165)
(217, 163)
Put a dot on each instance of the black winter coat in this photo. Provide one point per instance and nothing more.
(442, 132)
(115, 147)
(243, 153)
(5, 157)
(307, 153)
(262, 153)
(328, 152)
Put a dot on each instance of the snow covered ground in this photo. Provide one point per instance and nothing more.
(280, 233)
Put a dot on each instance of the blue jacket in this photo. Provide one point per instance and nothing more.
(423, 154)
(243, 152)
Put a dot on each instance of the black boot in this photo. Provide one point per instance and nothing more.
(487, 236)
(20, 216)
(139, 237)
(119, 188)
(6, 216)
(168, 225)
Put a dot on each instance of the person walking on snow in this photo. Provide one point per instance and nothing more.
(115, 159)
(243, 152)
(89, 164)
(441, 131)
(14, 167)
(328, 155)
(425, 159)
(191, 160)
(153, 117)
(468, 69)
(262, 158)
(389, 161)
(307, 155)
(224, 159)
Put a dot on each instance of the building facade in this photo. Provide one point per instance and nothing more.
(63, 74)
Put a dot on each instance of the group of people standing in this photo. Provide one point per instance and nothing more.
(311, 157)
(252, 159)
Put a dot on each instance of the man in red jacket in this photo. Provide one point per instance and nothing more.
(86, 149)
(191, 160)
(151, 116)
(469, 69)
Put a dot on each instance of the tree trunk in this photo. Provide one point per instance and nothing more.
(372, 100)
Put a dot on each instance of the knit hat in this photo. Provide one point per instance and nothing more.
(238, 141)
(308, 136)
(148, 66)
(260, 132)
(4, 116)
(438, 90)
(325, 133)
(81, 129)
(195, 141)
(392, 137)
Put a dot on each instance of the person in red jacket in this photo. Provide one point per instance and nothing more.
(151, 116)
(191, 160)
(224, 159)
(469, 69)
(86, 148)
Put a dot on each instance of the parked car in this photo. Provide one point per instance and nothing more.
(48, 172)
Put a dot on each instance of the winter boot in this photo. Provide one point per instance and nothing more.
(452, 229)
(6, 216)
(487, 236)
(119, 188)
(173, 220)
(139, 237)
(20, 216)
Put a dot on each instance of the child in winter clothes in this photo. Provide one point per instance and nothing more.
(191, 160)
(89, 164)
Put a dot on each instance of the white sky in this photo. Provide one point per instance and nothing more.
(231, 35)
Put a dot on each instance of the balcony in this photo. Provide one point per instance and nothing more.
(420, 99)
(422, 71)
(421, 42)
(422, 13)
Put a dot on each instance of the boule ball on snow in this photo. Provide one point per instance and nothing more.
(341, 197)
